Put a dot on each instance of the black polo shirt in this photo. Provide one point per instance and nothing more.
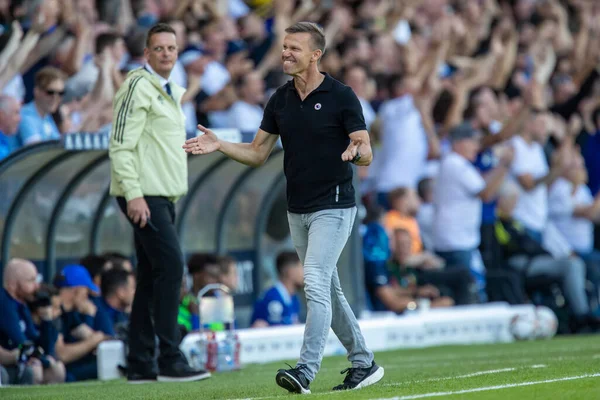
(314, 134)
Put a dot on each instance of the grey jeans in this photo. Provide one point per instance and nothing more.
(571, 270)
(319, 239)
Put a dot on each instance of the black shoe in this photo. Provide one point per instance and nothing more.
(138, 378)
(293, 380)
(181, 372)
(357, 378)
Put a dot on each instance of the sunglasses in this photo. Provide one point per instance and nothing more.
(54, 92)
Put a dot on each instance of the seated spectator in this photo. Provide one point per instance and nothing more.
(96, 265)
(11, 375)
(228, 273)
(118, 290)
(404, 204)
(459, 192)
(119, 260)
(204, 269)
(280, 304)
(36, 117)
(10, 116)
(524, 253)
(79, 321)
(574, 211)
(77, 275)
(17, 330)
(46, 306)
(416, 271)
(382, 293)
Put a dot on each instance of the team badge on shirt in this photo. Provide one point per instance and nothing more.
(318, 106)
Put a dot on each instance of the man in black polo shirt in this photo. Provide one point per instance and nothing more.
(322, 129)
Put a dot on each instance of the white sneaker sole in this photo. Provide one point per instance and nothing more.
(372, 379)
(192, 378)
(142, 381)
(287, 381)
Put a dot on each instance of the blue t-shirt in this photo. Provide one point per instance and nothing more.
(376, 252)
(101, 322)
(34, 128)
(376, 276)
(69, 321)
(16, 324)
(486, 161)
(114, 316)
(8, 144)
(277, 307)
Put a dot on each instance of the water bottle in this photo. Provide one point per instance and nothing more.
(212, 353)
(236, 353)
(198, 354)
(195, 358)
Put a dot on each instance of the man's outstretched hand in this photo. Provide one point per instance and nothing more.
(351, 151)
(204, 144)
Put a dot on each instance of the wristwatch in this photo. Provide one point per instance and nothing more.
(356, 158)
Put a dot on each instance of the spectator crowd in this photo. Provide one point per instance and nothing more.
(483, 114)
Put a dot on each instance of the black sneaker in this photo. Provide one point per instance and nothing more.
(357, 378)
(138, 378)
(293, 380)
(181, 372)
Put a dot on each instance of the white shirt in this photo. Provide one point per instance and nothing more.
(15, 88)
(179, 76)
(215, 78)
(368, 112)
(562, 201)
(457, 205)
(245, 116)
(161, 80)
(532, 206)
(404, 145)
(84, 80)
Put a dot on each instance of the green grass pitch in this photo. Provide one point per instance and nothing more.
(562, 368)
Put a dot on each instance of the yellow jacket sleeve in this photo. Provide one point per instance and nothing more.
(130, 114)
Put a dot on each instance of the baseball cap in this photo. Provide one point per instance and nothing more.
(464, 130)
(76, 275)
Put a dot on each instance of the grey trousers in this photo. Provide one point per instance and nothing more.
(319, 239)
(572, 270)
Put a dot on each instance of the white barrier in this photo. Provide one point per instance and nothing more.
(487, 323)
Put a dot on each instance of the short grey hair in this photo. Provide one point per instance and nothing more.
(316, 33)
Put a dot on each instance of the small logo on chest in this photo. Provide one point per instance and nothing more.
(318, 106)
(161, 99)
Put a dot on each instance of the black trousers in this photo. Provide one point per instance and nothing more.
(156, 302)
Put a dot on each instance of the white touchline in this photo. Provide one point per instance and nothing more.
(471, 375)
(445, 378)
(488, 388)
